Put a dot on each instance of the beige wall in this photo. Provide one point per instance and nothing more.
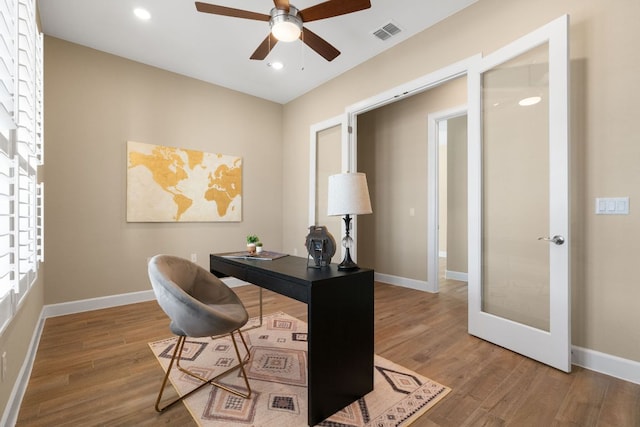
(328, 162)
(392, 151)
(16, 338)
(604, 72)
(457, 194)
(442, 187)
(94, 104)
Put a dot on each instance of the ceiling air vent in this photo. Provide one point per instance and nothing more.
(387, 31)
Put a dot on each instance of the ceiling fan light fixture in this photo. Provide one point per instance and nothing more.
(532, 100)
(286, 27)
(142, 14)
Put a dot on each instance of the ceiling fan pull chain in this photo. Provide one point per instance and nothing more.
(302, 50)
(285, 14)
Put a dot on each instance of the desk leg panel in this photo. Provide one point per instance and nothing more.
(341, 343)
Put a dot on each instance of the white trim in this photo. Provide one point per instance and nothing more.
(314, 130)
(442, 254)
(11, 411)
(413, 87)
(90, 304)
(614, 366)
(551, 347)
(433, 195)
(456, 275)
(419, 285)
(624, 369)
(390, 96)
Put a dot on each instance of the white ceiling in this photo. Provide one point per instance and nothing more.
(216, 49)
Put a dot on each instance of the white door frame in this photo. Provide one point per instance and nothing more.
(398, 93)
(314, 130)
(433, 193)
(552, 347)
(440, 76)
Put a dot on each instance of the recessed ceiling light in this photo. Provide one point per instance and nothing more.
(142, 14)
(276, 65)
(532, 100)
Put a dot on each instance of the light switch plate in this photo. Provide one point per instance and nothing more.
(612, 205)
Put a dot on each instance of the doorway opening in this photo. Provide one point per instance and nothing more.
(447, 196)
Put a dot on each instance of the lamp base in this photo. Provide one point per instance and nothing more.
(347, 263)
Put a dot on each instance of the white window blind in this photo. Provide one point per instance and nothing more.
(7, 62)
(21, 144)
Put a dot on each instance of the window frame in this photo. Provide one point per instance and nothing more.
(21, 154)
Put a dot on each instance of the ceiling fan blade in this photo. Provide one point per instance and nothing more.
(229, 11)
(332, 8)
(282, 5)
(265, 47)
(320, 45)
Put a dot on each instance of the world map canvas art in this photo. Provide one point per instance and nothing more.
(168, 184)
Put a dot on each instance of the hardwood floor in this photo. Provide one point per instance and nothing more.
(95, 368)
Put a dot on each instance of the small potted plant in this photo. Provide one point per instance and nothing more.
(258, 247)
(252, 239)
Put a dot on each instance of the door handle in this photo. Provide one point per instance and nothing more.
(558, 240)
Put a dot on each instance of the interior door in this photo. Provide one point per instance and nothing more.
(519, 277)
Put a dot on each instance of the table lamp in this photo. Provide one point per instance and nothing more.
(348, 195)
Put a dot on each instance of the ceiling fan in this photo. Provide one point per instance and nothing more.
(287, 23)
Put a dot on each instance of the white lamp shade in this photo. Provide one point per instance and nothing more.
(348, 194)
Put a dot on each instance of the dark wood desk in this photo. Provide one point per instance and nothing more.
(340, 320)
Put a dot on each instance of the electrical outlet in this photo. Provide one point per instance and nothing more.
(194, 258)
(3, 362)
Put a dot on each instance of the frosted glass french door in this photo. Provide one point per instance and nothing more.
(519, 279)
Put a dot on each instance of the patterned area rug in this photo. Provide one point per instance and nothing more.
(277, 373)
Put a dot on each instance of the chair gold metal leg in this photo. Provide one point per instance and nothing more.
(166, 376)
(177, 355)
(241, 363)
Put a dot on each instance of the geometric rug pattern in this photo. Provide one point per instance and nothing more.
(277, 372)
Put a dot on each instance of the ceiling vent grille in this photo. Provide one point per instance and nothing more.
(387, 31)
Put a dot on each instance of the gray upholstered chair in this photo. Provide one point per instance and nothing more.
(198, 305)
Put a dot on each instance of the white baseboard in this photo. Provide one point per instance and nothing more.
(90, 304)
(614, 366)
(456, 275)
(10, 415)
(624, 369)
(608, 364)
(11, 411)
(419, 285)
